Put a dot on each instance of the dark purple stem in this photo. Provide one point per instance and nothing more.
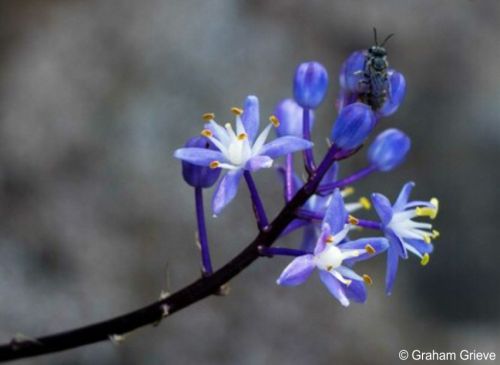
(326, 189)
(258, 207)
(309, 215)
(192, 293)
(289, 177)
(202, 232)
(281, 251)
(308, 153)
(368, 224)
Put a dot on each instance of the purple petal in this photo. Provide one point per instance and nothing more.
(403, 197)
(226, 190)
(336, 214)
(199, 156)
(351, 71)
(294, 225)
(397, 91)
(284, 145)
(348, 273)
(309, 238)
(382, 207)
(250, 117)
(420, 245)
(379, 244)
(259, 162)
(392, 268)
(334, 287)
(297, 271)
(396, 242)
(356, 291)
(321, 242)
(331, 174)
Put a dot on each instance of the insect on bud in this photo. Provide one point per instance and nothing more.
(310, 84)
(353, 125)
(389, 149)
(290, 115)
(199, 176)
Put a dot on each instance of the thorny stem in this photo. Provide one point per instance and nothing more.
(192, 293)
(202, 232)
(258, 207)
(308, 153)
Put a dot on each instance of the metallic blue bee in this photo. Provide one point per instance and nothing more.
(375, 86)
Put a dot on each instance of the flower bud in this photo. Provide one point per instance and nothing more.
(290, 116)
(353, 125)
(352, 71)
(310, 84)
(396, 96)
(199, 176)
(389, 149)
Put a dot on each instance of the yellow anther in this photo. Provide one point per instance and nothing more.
(435, 233)
(425, 259)
(206, 133)
(329, 267)
(214, 164)
(274, 121)
(353, 220)
(348, 191)
(208, 116)
(348, 282)
(329, 239)
(426, 212)
(369, 248)
(236, 111)
(242, 136)
(367, 279)
(365, 203)
(427, 239)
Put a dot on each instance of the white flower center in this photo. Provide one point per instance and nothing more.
(330, 258)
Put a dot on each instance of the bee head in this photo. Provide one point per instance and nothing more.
(377, 51)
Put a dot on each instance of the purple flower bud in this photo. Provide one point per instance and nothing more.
(351, 72)
(199, 176)
(310, 84)
(389, 149)
(290, 114)
(396, 94)
(353, 125)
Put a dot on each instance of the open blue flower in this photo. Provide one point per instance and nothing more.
(318, 204)
(405, 234)
(239, 150)
(333, 256)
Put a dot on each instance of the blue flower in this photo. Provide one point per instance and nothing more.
(199, 176)
(405, 234)
(290, 115)
(389, 149)
(353, 125)
(310, 84)
(239, 150)
(333, 256)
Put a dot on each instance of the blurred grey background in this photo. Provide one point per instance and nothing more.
(96, 95)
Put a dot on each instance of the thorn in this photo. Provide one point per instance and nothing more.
(223, 290)
(19, 340)
(117, 339)
(165, 310)
(164, 295)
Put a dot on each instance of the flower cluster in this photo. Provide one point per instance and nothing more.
(369, 91)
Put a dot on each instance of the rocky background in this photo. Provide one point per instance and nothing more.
(95, 219)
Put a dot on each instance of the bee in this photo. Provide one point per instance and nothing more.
(375, 84)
